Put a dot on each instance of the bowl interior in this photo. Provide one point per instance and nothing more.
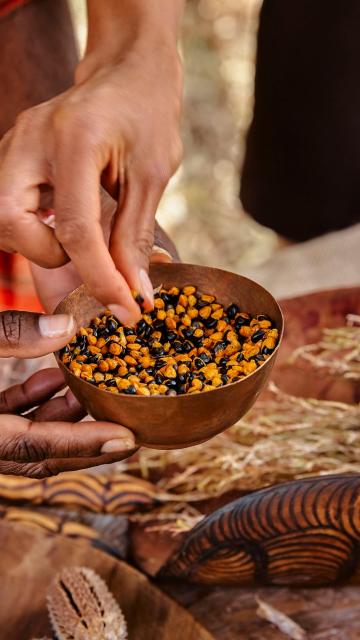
(226, 286)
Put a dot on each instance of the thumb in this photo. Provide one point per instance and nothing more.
(29, 335)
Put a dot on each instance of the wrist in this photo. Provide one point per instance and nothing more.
(112, 54)
(132, 28)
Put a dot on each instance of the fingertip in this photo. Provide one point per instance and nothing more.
(118, 445)
(128, 317)
(147, 289)
(160, 255)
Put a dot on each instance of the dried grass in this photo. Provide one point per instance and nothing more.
(283, 438)
(338, 351)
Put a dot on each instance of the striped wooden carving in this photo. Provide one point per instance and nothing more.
(115, 494)
(305, 532)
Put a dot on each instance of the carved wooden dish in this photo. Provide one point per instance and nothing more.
(174, 422)
(29, 561)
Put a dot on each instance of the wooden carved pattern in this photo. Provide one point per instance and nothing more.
(302, 532)
(116, 494)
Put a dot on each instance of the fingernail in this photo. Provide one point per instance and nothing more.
(118, 445)
(146, 286)
(123, 314)
(56, 326)
(160, 255)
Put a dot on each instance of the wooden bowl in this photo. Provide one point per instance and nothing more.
(167, 422)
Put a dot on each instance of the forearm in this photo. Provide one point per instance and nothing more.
(116, 27)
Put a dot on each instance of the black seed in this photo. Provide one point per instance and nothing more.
(205, 357)
(266, 351)
(200, 376)
(220, 346)
(181, 389)
(224, 379)
(170, 336)
(258, 335)
(223, 362)
(199, 363)
(139, 300)
(158, 325)
(104, 333)
(157, 352)
(241, 322)
(259, 358)
(94, 359)
(82, 342)
(171, 384)
(235, 379)
(240, 357)
(167, 298)
(201, 303)
(112, 325)
(159, 379)
(147, 332)
(210, 323)
(150, 371)
(187, 346)
(128, 331)
(188, 333)
(111, 383)
(91, 380)
(138, 368)
(130, 390)
(197, 325)
(182, 378)
(151, 382)
(178, 346)
(232, 310)
(263, 317)
(141, 326)
(191, 377)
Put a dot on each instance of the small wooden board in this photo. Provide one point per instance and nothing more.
(29, 559)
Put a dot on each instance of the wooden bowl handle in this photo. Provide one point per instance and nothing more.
(305, 532)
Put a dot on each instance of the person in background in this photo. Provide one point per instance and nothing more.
(301, 170)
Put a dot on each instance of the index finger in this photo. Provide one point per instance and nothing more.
(78, 229)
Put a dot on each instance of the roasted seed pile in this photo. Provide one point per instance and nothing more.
(187, 344)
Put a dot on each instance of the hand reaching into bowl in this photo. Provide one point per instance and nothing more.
(118, 126)
(46, 441)
(55, 284)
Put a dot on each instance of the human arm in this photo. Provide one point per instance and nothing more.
(118, 126)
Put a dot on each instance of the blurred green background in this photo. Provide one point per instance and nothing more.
(200, 208)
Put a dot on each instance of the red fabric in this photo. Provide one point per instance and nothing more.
(16, 287)
(7, 6)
